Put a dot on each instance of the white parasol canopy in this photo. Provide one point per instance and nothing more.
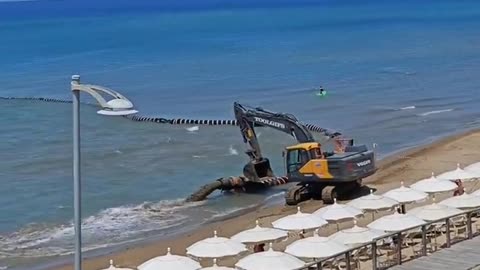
(356, 235)
(259, 235)
(315, 247)
(216, 267)
(299, 221)
(395, 222)
(373, 202)
(405, 194)
(473, 169)
(476, 193)
(458, 173)
(434, 185)
(116, 268)
(269, 260)
(338, 212)
(170, 261)
(215, 247)
(434, 211)
(464, 201)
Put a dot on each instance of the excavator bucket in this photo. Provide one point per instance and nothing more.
(254, 170)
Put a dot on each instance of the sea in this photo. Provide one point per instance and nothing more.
(397, 73)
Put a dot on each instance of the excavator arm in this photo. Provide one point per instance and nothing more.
(249, 117)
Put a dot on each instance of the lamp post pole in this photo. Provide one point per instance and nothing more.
(77, 199)
(119, 105)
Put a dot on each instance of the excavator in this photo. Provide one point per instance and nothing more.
(319, 174)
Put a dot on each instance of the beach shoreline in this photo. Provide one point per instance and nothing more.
(399, 162)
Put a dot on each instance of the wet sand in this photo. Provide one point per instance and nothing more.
(408, 166)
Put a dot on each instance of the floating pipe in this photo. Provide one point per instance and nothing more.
(161, 120)
(239, 183)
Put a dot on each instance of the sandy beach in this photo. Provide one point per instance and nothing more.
(408, 166)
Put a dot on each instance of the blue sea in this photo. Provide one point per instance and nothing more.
(398, 73)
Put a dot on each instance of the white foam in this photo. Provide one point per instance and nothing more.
(435, 112)
(192, 129)
(199, 156)
(232, 151)
(110, 226)
(408, 108)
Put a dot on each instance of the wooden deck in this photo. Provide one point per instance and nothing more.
(461, 256)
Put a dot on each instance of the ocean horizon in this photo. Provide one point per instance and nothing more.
(398, 74)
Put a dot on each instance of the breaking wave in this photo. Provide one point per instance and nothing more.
(192, 129)
(232, 151)
(115, 225)
(434, 112)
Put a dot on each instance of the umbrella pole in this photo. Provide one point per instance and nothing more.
(338, 228)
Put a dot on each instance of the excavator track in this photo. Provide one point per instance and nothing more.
(294, 195)
(329, 194)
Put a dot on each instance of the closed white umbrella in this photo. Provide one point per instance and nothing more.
(434, 211)
(372, 202)
(405, 195)
(356, 235)
(269, 260)
(299, 221)
(116, 268)
(464, 201)
(434, 185)
(215, 247)
(473, 169)
(259, 235)
(216, 267)
(315, 247)
(395, 222)
(338, 212)
(457, 174)
(170, 261)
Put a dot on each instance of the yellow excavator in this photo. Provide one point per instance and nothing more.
(318, 174)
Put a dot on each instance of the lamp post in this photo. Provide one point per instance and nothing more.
(119, 105)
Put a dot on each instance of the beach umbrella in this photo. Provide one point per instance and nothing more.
(476, 193)
(269, 260)
(405, 195)
(115, 268)
(215, 247)
(299, 221)
(259, 235)
(356, 235)
(315, 247)
(464, 201)
(458, 173)
(395, 222)
(170, 261)
(434, 211)
(475, 167)
(434, 185)
(373, 203)
(216, 267)
(338, 212)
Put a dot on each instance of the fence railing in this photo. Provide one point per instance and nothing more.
(347, 255)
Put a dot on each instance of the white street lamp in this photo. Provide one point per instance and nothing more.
(119, 105)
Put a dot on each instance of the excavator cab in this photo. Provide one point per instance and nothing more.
(299, 156)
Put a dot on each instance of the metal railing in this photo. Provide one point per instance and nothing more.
(399, 241)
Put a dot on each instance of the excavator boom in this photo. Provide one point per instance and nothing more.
(249, 117)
